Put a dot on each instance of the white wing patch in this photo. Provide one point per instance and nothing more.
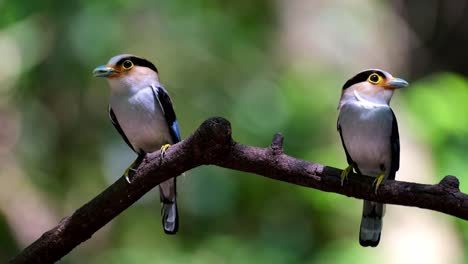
(156, 93)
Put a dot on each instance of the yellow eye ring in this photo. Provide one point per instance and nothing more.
(127, 65)
(374, 78)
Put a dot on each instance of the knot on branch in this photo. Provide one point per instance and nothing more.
(214, 137)
(277, 144)
(450, 183)
(216, 128)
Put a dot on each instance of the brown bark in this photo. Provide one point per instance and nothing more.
(212, 144)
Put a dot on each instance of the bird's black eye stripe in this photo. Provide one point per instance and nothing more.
(138, 62)
(362, 77)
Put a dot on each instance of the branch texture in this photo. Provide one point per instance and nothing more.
(212, 144)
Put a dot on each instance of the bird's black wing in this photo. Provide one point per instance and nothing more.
(395, 148)
(166, 105)
(348, 157)
(115, 122)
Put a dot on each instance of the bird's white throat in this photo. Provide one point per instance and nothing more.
(366, 103)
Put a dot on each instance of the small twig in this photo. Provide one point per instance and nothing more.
(277, 144)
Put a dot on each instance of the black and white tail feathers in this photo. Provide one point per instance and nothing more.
(371, 223)
(170, 217)
(169, 214)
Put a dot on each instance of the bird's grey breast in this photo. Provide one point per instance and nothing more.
(141, 118)
(366, 134)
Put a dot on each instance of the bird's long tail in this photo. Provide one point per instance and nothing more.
(169, 214)
(371, 223)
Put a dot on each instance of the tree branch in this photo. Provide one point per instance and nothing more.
(212, 144)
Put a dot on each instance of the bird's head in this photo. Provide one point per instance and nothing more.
(128, 72)
(372, 85)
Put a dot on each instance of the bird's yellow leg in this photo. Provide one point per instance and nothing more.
(345, 173)
(163, 149)
(379, 180)
(130, 171)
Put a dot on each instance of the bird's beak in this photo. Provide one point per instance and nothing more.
(396, 83)
(103, 71)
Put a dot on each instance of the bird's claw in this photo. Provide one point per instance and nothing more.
(163, 150)
(378, 181)
(131, 170)
(344, 174)
(129, 173)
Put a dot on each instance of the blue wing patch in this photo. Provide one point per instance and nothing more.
(175, 130)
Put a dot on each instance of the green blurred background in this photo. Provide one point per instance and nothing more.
(267, 66)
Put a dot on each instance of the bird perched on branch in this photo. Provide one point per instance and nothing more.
(141, 111)
(369, 133)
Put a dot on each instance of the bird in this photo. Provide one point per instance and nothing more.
(369, 134)
(141, 111)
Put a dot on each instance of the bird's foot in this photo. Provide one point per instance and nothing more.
(131, 170)
(345, 173)
(379, 180)
(163, 150)
(129, 173)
